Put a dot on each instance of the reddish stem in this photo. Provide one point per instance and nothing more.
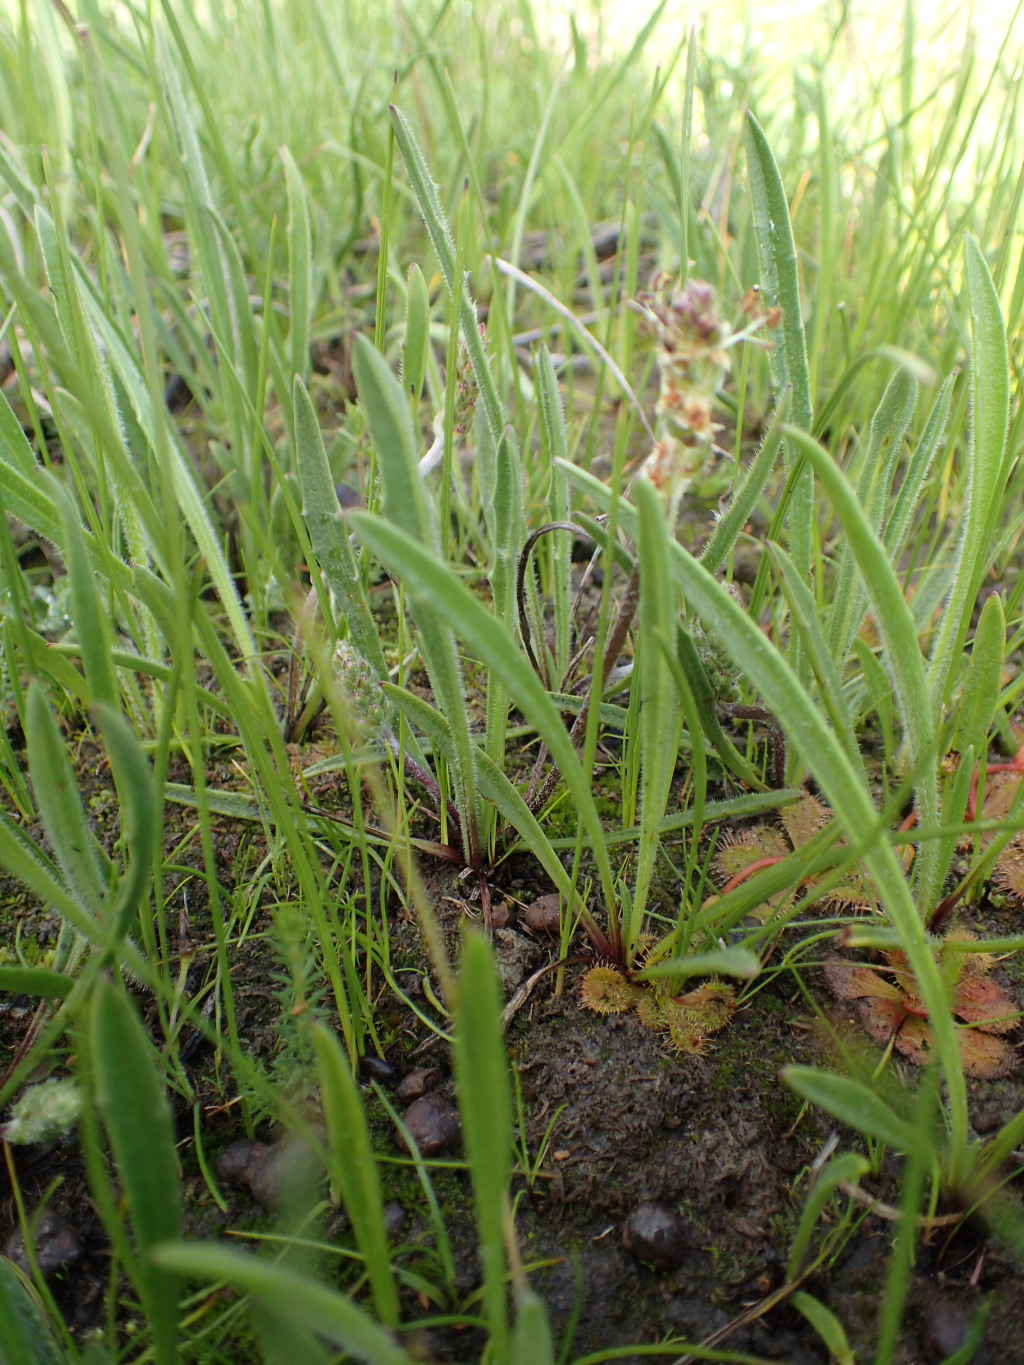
(742, 876)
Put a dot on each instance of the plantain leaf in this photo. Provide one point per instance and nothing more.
(409, 511)
(353, 1169)
(131, 1099)
(986, 471)
(855, 1105)
(485, 1107)
(417, 333)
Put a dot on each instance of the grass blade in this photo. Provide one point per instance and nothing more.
(291, 1295)
(321, 512)
(444, 248)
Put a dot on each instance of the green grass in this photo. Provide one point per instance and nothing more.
(244, 262)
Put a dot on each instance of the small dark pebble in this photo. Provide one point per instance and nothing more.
(348, 497)
(57, 1245)
(987, 1120)
(501, 914)
(944, 1332)
(542, 915)
(373, 1068)
(234, 1162)
(419, 1082)
(394, 1217)
(273, 1175)
(433, 1125)
(656, 1235)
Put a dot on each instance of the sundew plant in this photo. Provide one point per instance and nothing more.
(500, 526)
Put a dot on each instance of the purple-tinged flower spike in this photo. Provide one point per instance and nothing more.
(693, 360)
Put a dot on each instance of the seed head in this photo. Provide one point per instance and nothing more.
(360, 690)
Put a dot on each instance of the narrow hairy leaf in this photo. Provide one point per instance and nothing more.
(417, 333)
(25, 1335)
(444, 248)
(35, 981)
(60, 805)
(980, 693)
(321, 512)
(91, 616)
(140, 823)
(985, 472)
(827, 1326)
(780, 287)
(899, 637)
(732, 521)
(888, 426)
(660, 708)
(300, 252)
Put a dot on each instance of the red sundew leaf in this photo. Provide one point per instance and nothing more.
(980, 1000)
(847, 981)
(884, 1018)
(1008, 874)
(984, 1055)
(1000, 789)
(906, 984)
(914, 1041)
